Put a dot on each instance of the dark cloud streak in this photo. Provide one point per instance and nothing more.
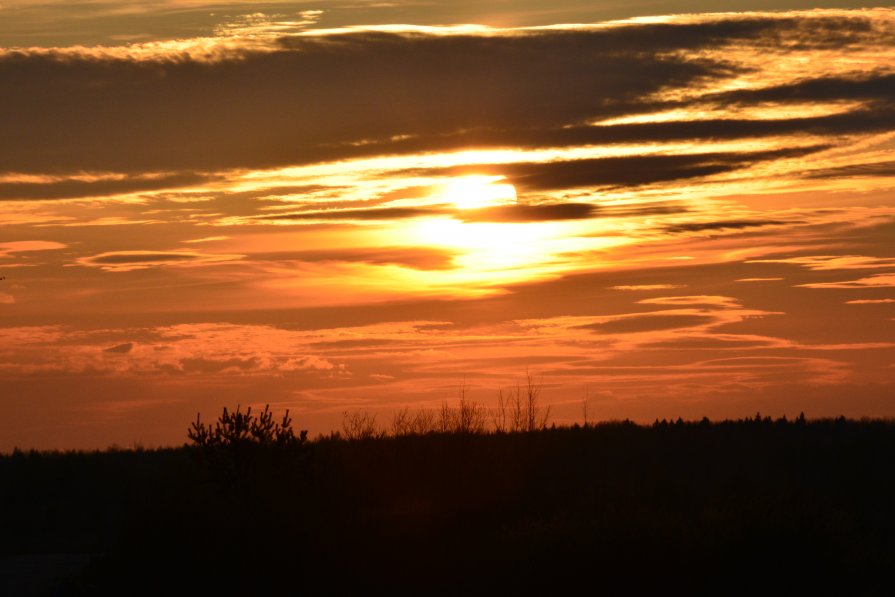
(885, 168)
(128, 258)
(724, 225)
(648, 323)
(378, 213)
(332, 97)
(266, 109)
(622, 170)
(877, 86)
(416, 257)
(71, 189)
(529, 213)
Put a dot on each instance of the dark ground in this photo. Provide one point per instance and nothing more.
(724, 508)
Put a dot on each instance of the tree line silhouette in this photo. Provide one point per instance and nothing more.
(443, 503)
(518, 409)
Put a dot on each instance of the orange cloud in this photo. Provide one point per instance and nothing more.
(125, 261)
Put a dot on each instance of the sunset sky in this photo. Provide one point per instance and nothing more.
(353, 205)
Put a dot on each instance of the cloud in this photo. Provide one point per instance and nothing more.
(622, 170)
(138, 258)
(204, 365)
(309, 363)
(873, 86)
(255, 109)
(714, 342)
(877, 281)
(27, 246)
(120, 348)
(702, 299)
(175, 350)
(357, 343)
(249, 101)
(206, 239)
(723, 225)
(648, 323)
(885, 168)
(381, 377)
(325, 97)
(689, 126)
(418, 258)
(730, 125)
(378, 213)
(642, 287)
(122, 261)
(75, 188)
(870, 301)
(529, 213)
(834, 262)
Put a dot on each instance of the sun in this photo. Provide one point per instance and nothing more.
(477, 191)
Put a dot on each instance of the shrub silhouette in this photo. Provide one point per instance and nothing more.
(237, 429)
(468, 417)
(360, 425)
(242, 446)
(520, 409)
(405, 423)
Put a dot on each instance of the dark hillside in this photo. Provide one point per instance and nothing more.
(694, 507)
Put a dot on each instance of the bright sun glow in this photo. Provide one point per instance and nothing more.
(504, 252)
(475, 191)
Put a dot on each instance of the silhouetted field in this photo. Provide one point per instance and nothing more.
(676, 508)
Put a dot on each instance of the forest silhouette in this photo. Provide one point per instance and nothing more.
(451, 502)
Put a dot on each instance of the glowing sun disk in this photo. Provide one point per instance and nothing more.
(476, 191)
